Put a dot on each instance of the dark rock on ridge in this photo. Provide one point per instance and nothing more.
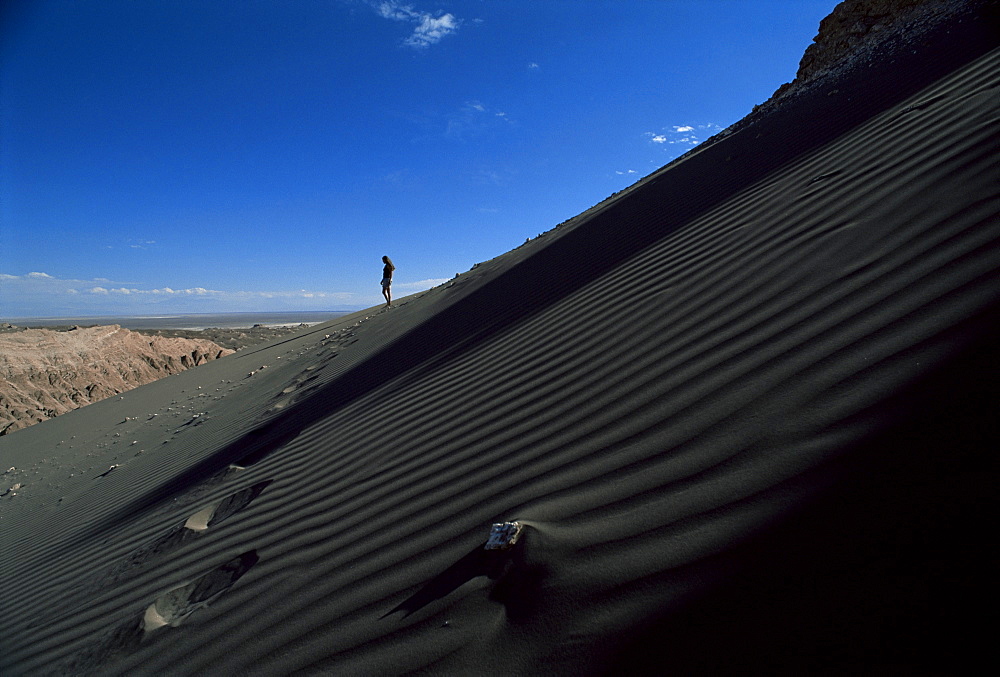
(856, 29)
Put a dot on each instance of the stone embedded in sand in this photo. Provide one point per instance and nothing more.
(503, 535)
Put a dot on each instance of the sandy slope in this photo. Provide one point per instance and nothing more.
(741, 410)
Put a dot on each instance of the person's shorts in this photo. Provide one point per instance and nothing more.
(386, 282)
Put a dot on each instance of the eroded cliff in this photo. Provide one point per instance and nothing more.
(46, 373)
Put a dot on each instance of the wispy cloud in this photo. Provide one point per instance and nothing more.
(165, 291)
(473, 118)
(429, 29)
(492, 175)
(296, 294)
(35, 293)
(132, 243)
(424, 284)
(687, 136)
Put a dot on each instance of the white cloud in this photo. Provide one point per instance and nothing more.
(429, 29)
(166, 291)
(299, 294)
(424, 284)
(45, 284)
(392, 10)
(44, 295)
(472, 119)
(533, 65)
(683, 135)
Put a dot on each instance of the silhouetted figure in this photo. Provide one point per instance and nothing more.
(387, 280)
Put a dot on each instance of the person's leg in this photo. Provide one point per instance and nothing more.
(388, 295)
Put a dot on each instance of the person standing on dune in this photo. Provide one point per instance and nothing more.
(387, 280)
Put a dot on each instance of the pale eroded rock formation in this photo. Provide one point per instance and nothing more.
(46, 373)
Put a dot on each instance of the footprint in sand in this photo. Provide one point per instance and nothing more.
(174, 606)
(304, 383)
(824, 177)
(281, 404)
(194, 526)
(922, 104)
(217, 513)
(260, 443)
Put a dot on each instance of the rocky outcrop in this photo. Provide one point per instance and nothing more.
(46, 373)
(855, 29)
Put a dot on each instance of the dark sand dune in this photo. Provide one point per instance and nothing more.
(744, 411)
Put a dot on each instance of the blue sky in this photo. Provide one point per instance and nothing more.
(171, 156)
